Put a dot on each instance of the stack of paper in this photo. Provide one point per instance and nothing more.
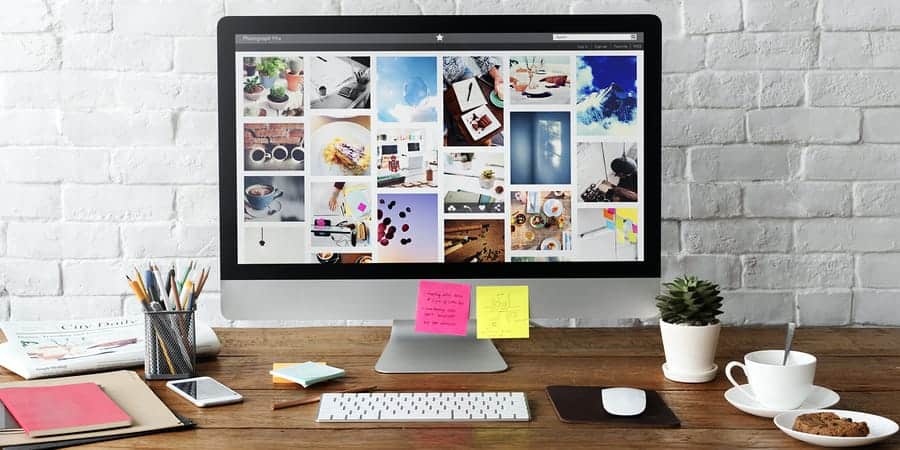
(308, 373)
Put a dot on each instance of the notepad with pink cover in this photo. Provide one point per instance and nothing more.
(63, 409)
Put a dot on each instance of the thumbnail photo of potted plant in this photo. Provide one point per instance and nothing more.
(249, 66)
(688, 310)
(294, 75)
(487, 179)
(253, 89)
(278, 98)
(270, 69)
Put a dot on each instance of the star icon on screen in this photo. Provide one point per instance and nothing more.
(439, 37)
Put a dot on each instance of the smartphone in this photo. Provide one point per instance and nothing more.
(204, 391)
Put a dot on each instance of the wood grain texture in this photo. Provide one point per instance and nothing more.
(863, 365)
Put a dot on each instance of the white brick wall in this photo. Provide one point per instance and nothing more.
(780, 126)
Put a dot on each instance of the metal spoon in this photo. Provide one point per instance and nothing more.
(788, 340)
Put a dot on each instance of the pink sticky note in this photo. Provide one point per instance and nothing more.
(362, 207)
(443, 308)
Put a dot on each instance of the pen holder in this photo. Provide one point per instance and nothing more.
(170, 350)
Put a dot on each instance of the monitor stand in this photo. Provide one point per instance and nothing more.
(411, 352)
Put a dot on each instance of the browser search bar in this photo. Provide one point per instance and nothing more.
(596, 37)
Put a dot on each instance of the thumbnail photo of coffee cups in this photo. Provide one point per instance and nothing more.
(607, 172)
(407, 157)
(273, 146)
(407, 228)
(272, 86)
(607, 234)
(341, 214)
(274, 245)
(473, 100)
(607, 99)
(473, 182)
(406, 89)
(477, 240)
(343, 258)
(540, 147)
(340, 146)
(273, 199)
(540, 80)
(340, 82)
(541, 220)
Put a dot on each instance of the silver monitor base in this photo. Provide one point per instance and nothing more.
(411, 352)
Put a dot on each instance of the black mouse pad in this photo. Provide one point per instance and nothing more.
(584, 404)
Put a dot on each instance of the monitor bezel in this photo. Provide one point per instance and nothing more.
(229, 27)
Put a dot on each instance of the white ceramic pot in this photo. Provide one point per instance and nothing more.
(690, 351)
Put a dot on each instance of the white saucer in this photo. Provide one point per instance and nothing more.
(274, 208)
(701, 377)
(880, 428)
(821, 397)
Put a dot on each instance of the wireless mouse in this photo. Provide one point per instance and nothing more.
(624, 401)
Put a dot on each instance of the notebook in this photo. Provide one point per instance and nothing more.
(308, 373)
(70, 408)
(468, 93)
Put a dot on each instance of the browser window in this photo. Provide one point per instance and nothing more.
(432, 147)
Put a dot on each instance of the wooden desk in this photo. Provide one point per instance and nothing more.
(863, 365)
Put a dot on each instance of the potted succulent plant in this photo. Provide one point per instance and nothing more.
(689, 324)
(249, 66)
(487, 179)
(278, 98)
(294, 75)
(253, 90)
(270, 69)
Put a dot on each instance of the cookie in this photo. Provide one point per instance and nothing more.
(830, 424)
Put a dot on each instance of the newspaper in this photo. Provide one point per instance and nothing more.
(53, 348)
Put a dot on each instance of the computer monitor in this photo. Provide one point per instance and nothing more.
(539, 140)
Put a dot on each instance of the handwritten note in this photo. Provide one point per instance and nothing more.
(443, 308)
(502, 311)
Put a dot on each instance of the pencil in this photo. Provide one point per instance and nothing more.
(140, 281)
(165, 354)
(306, 401)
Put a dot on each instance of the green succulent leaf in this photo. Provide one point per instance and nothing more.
(690, 301)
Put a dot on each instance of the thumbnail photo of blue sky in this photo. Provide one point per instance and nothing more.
(406, 89)
(606, 101)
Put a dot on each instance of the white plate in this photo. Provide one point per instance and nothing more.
(880, 428)
(549, 204)
(351, 132)
(820, 397)
(546, 243)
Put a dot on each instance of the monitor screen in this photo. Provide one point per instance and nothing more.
(529, 148)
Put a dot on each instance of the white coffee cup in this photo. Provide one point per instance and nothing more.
(774, 385)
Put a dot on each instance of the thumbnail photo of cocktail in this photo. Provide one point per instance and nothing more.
(607, 172)
(540, 80)
(473, 100)
(541, 220)
(273, 146)
(272, 86)
(340, 82)
(340, 146)
(273, 199)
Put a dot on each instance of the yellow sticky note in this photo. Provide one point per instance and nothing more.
(502, 311)
(279, 380)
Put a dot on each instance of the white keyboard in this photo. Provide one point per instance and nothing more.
(424, 407)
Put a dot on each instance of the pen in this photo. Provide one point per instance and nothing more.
(160, 287)
(306, 401)
(469, 94)
(186, 294)
(151, 286)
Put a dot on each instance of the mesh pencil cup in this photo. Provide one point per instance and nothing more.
(170, 350)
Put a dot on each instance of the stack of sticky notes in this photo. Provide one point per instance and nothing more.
(308, 373)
